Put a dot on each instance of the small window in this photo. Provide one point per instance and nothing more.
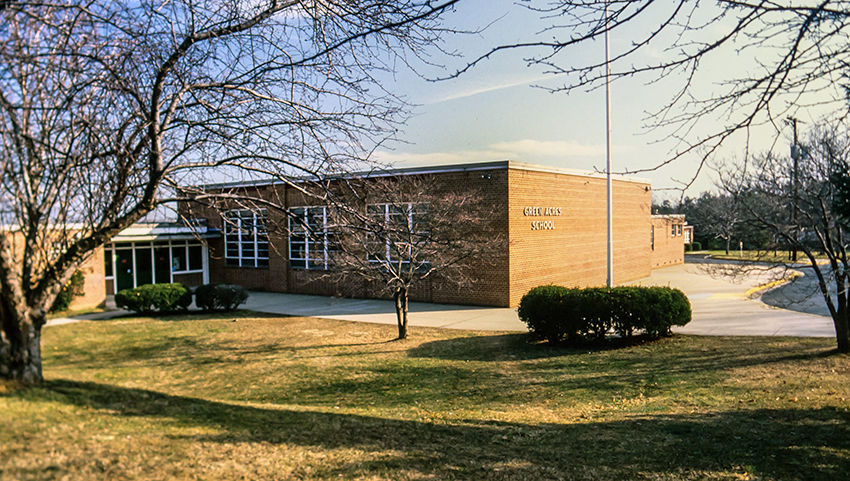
(652, 237)
(178, 258)
(673, 230)
(196, 258)
(107, 262)
(679, 229)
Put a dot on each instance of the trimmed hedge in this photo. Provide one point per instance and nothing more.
(154, 297)
(558, 314)
(214, 297)
(693, 246)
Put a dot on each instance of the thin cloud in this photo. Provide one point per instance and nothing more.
(488, 88)
(557, 148)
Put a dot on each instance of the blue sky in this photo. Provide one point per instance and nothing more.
(493, 112)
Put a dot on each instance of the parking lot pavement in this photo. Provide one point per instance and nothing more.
(721, 305)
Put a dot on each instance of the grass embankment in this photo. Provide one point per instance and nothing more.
(199, 397)
(772, 257)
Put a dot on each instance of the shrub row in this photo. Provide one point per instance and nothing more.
(170, 297)
(154, 297)
(558, 314)
(213, 297)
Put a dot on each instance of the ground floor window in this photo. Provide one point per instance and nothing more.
(311, 243)
(406, 226)
(132, 264)
(246, 240)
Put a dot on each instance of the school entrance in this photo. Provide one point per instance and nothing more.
(156, 254)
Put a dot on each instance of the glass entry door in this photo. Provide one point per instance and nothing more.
(124, 277)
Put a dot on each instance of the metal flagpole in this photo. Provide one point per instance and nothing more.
(608, 152)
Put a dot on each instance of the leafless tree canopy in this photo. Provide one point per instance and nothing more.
(107, 107)
(800, 52)
(399, 231)
(795, 203)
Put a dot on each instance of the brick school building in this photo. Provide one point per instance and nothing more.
(553, 220)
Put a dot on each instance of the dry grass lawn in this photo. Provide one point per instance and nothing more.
(242, 397)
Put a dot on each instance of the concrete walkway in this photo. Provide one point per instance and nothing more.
(721, 307)
(383, 312)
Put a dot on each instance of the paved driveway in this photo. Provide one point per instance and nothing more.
(720, 306)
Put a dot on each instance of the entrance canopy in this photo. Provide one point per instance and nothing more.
(159, 253)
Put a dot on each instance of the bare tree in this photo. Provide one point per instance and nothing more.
(399, 231)
(107, 107)
(722, 218)
(796, 48)
(798, 209)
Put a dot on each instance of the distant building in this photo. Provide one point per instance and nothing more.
(667, 242)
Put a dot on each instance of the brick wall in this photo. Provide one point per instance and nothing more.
(485, 280)
(94, 291)
(94, 288)
(669, 240)
(572, 250)
(568, 248)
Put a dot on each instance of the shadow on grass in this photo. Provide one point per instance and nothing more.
(769, 444)
(667, 353)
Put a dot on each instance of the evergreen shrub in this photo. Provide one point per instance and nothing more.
(154, 297)
(220, 297)
(557, 313)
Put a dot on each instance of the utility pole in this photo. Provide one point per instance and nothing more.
(609, 197)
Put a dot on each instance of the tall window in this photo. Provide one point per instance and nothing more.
(407, 225)
(311, 244)
(246, 240)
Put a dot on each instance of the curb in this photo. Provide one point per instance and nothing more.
(770, 285)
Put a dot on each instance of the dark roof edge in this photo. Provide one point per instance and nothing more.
(440, 169)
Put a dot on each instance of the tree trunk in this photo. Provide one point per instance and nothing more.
(400, 297)
(20, 351)
(842, 329)
(728, 241)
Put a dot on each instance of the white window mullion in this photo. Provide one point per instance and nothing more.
(256, 244)
(388, 227)
(133, 254)
(171, 260)
(325, 235)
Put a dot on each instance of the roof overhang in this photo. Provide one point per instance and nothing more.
(165, 231)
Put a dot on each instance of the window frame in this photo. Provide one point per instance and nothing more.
(245, 250)
(316, 240)
(388, 210)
